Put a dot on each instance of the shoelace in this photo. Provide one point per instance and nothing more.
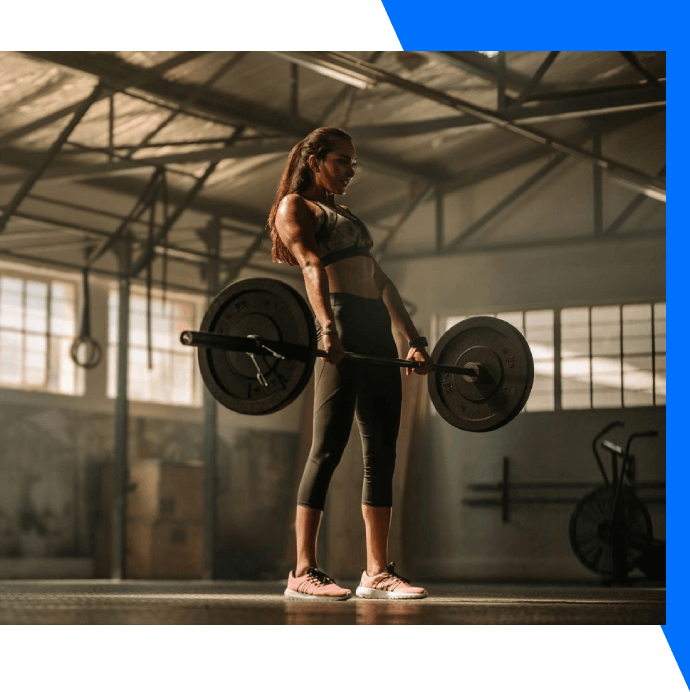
(318, 577)
(390, 579)
(392, 572)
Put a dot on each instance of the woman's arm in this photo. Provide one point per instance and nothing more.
(401, 319)
(295, 224)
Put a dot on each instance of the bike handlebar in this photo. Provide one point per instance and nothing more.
(611, 426)
(646, 433)
(617, 450)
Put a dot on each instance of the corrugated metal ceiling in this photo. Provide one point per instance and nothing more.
(178, 111)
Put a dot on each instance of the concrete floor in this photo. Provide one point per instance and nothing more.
(100, 602)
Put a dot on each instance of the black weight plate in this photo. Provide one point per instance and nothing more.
(270, 309)
(500, 393)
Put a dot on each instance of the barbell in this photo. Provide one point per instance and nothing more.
(257, 345)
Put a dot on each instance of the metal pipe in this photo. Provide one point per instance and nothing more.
(119, 511)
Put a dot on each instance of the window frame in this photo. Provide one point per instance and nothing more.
(56, 352)
(198, 303)
(442, 320)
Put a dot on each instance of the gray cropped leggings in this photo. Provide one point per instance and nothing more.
(372, 393)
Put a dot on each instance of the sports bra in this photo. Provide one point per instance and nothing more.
(340, 236)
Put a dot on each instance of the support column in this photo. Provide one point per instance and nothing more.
(598, 188)
(440, 221)
(120, 475)
(501, 82)
(210, 451)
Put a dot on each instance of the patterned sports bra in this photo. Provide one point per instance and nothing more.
(340, 236)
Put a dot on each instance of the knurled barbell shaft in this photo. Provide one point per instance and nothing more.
(255, 344)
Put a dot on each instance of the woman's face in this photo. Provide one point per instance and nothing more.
(335, 172)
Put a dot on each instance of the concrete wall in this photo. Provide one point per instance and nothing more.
(446, 538)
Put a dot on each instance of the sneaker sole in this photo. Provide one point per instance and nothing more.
(366, 592)
(297, 596)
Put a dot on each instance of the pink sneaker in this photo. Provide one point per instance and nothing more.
(388, 584)
(315, 585)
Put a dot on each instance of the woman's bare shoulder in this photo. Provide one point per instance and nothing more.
(296, 213)
(293, 203)
(294, 207)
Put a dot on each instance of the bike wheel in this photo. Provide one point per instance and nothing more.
(602, 545)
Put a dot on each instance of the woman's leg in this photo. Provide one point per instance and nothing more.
(377, 521)
(307, 524)
(379, 400)
(334, 402)
(378, 417)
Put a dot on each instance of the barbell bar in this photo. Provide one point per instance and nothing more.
(257, 345)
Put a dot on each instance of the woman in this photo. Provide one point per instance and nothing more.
(354, 303)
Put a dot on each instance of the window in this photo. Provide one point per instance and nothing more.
(37, 328)
(609, 356)
(171, 375)
(613, 356)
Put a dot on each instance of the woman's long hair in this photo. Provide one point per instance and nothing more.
(296, 178)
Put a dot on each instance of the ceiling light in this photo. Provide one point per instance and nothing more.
(489, 53)
(328, 68)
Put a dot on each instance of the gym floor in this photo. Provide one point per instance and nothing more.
(99, 602)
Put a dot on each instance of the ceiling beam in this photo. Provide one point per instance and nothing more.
(628, 99)
(481, 66)
(46, 159)
(624, 174)
(230, 110)
(631, 100)
(505, 202)
(147, 256)
(504, 165)
(629, 210)
(115, 275)
(635, 62)
(240, 150)
(542, 244)
(538, 75)
(138, 80)
(206, 84)
(414, 199)
(99, 211)
(92, 234)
